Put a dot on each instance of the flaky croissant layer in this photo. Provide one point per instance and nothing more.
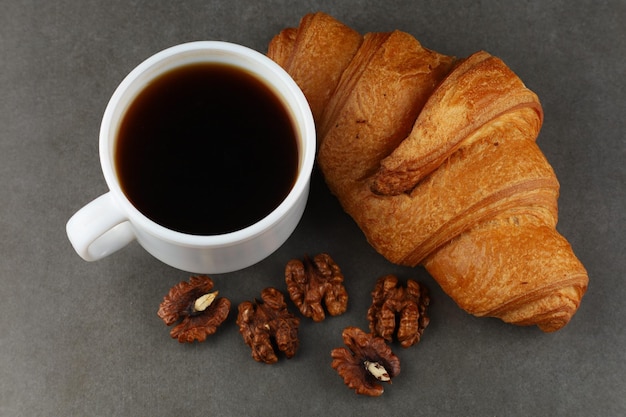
(435, 159)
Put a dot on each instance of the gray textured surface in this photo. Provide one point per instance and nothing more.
(83, 339)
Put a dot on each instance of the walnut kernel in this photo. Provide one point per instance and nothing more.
(311, 281)
(399, 310)
(366, 361)
(261, 322)
(198, 309)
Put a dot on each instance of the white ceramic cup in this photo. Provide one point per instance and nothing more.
(110, 222)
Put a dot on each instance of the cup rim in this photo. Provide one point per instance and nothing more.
(301, 112)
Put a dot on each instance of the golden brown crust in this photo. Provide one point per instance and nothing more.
(476, 183)
(437, 163)
(281, 47)
(321, 40)
(478, 90)
(375, 105)
(518, 268)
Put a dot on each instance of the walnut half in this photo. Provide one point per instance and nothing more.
(199, 310)
(312, 280)
(390, 302)
(265, 321)
(365, 362)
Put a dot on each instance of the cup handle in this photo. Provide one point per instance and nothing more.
(99, 229)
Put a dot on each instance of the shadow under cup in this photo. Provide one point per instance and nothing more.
(209, 177)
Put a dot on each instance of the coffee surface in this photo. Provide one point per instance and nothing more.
(206, 149)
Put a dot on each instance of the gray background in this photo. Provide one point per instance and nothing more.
(83, 339)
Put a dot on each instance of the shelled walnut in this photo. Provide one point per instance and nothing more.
(261, 322)
(312, 280)
(390, 302)
(199, 310)
(366, 361)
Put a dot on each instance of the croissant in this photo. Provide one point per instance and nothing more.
(435, 159)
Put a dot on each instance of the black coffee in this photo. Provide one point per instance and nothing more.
(206, 149)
